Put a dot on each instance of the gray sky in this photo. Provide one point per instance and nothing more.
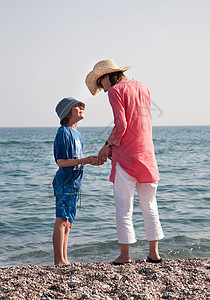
(48, 47)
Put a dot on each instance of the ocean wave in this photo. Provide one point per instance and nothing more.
(28, 205)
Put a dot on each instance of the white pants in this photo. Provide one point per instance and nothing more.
(124, 186)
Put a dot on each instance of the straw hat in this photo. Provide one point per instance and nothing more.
(101, 68)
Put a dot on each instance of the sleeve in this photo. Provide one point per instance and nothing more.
(120, 122)
(62, 146)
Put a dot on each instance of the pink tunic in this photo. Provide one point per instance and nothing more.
(132, 134)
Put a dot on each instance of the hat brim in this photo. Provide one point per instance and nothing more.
(69, 107)
(93, 76)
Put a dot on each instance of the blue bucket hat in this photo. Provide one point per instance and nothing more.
(63, 107)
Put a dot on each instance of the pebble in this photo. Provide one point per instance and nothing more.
(172, 279)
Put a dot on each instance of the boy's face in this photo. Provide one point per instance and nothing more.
(77, 112)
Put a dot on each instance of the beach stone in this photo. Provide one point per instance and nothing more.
(85, 296)
(187, 279)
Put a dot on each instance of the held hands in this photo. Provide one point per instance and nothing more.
(92, 160)
(103, 154)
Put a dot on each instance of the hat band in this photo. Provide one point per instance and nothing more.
(70, 103)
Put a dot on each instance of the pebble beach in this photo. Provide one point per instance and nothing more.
(171, 279)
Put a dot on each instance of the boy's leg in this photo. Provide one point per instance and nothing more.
(66, 237)
(58, 240)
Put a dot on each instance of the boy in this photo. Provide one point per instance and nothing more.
(68, 153)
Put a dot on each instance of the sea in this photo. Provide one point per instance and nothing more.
(27, 203)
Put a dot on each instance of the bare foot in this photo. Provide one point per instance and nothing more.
(67, 262)
(123, 259)
(61, 263)
(154, 256)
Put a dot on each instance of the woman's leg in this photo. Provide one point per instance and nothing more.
(123, 194)
(124, 254)
(149, 208)
(153, 250)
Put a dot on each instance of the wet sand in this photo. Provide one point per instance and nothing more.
(171, 279)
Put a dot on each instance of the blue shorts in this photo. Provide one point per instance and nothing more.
(66, 202)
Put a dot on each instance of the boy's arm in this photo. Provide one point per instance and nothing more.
(63, 163)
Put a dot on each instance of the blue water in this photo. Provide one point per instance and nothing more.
(27, 211)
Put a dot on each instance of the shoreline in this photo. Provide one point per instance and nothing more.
(171, 279)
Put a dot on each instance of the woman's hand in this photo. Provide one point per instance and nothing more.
(103, 154)
(110, 154)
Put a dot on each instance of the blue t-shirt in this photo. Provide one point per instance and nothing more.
(68, 145)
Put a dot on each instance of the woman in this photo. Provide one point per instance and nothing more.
(133, 157)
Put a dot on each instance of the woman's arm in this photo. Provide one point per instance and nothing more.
(119, 117)
(120, 125)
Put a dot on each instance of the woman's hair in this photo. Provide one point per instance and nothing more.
(115, 77)
(66, 119)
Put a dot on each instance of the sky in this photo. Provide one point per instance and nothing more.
(47, 48)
